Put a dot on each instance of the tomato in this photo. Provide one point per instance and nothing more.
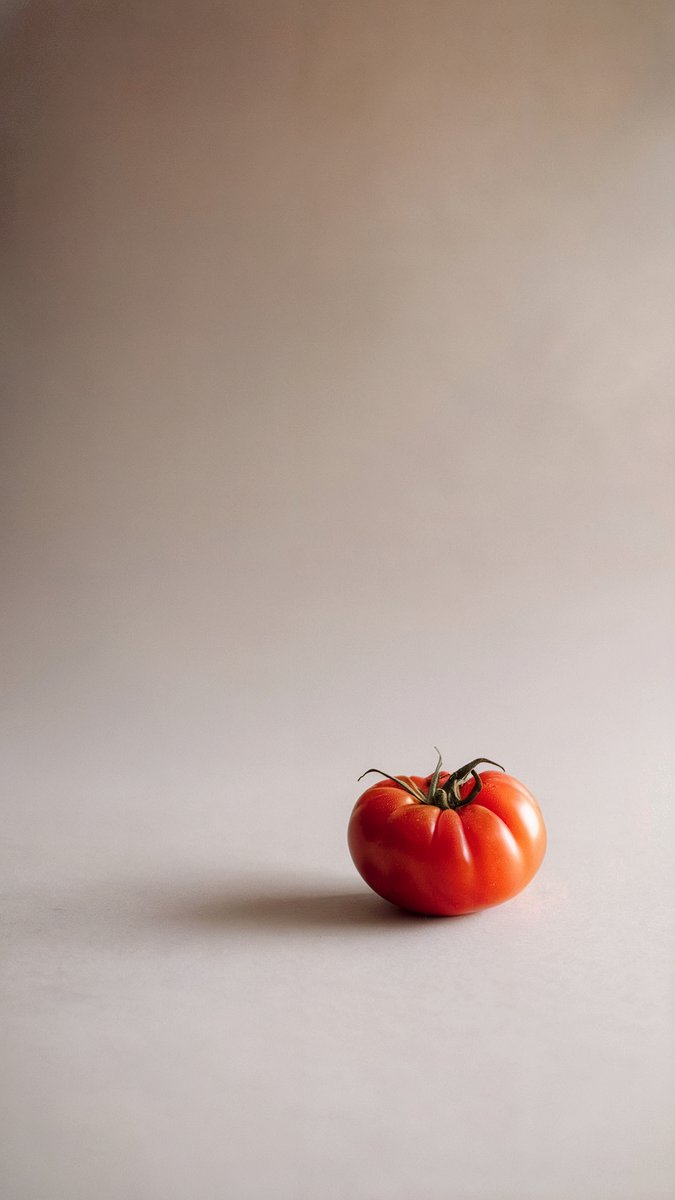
(446, 844)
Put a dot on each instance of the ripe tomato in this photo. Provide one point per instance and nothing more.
(447, 844)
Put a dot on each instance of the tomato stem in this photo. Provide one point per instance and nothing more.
(434, 790)
(409, 785)
(448, 796)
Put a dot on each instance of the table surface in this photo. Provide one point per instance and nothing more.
(339, 425)
(201, 995)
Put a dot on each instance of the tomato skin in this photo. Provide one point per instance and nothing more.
(446, 862)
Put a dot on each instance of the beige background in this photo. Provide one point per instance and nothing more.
(338, 422)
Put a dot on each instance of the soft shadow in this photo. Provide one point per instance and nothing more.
(126, 910)
(287, 909)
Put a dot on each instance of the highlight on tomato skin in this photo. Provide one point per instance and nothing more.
(446, 844)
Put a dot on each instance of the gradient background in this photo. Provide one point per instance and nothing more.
(338, 422)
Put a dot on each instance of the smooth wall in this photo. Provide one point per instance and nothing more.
(340, 353)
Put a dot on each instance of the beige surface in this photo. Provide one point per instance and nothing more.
(338, 423)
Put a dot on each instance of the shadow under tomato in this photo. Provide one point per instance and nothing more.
(290, 908)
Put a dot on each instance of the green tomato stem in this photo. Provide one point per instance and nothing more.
(450, 795)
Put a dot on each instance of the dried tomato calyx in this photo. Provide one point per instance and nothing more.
(403, 780)
(448, 796)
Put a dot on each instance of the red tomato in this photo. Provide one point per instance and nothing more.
(447, 844)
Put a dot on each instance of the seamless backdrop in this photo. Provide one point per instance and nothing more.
(337, 423)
